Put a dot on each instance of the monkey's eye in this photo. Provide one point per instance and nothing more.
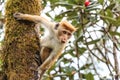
(64, 32)
(69, 34)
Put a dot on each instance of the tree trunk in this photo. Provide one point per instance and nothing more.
(21, 42)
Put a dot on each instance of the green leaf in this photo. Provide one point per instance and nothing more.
(80, 2)
(66, 61)
(117, 22)
(85, 66)
(111, 6)
(63, 14)
(80, 38)
(69, 70)
(82, 50)
(114, 33)
(46, 78)
(118, 1)
(71, 53)
(53, 1)
(75, 22)
(91, 9)
(72, 1)
(101, 1)
(89, 76)
(48, 15)
(108, 18)
(65, 4)
(92, 42)
(109, 13)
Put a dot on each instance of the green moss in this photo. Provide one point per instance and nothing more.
(21, 42)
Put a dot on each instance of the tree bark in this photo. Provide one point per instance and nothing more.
(21, 43)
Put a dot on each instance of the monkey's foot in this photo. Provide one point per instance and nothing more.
(40, 72)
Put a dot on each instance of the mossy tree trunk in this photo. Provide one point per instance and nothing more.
(21, 42)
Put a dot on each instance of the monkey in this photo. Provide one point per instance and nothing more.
(54, 42)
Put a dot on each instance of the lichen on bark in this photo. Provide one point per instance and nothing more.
(21, 42)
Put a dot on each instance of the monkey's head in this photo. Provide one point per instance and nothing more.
(65, 31)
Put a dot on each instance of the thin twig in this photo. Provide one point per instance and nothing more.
(115, 61)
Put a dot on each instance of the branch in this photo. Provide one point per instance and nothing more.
(115, 60)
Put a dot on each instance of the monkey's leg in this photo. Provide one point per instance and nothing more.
(44, 53)
(47, 64)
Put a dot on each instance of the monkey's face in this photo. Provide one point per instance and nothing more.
(64, 35)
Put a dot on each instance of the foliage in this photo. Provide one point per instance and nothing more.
(96, 41)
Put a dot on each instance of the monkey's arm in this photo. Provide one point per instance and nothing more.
(48, 62)
(34, 18)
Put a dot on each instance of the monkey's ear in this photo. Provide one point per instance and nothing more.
(65, 24)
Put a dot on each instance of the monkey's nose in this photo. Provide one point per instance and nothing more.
(63, 40)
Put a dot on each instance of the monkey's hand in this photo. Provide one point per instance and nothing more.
(18, 16)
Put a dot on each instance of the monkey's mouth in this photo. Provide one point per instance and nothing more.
(63, 41)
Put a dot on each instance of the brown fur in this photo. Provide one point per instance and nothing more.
(68, 26)
(46, 54)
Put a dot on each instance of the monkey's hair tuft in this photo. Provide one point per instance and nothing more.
(68, 26)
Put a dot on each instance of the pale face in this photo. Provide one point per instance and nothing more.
(64, 35)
